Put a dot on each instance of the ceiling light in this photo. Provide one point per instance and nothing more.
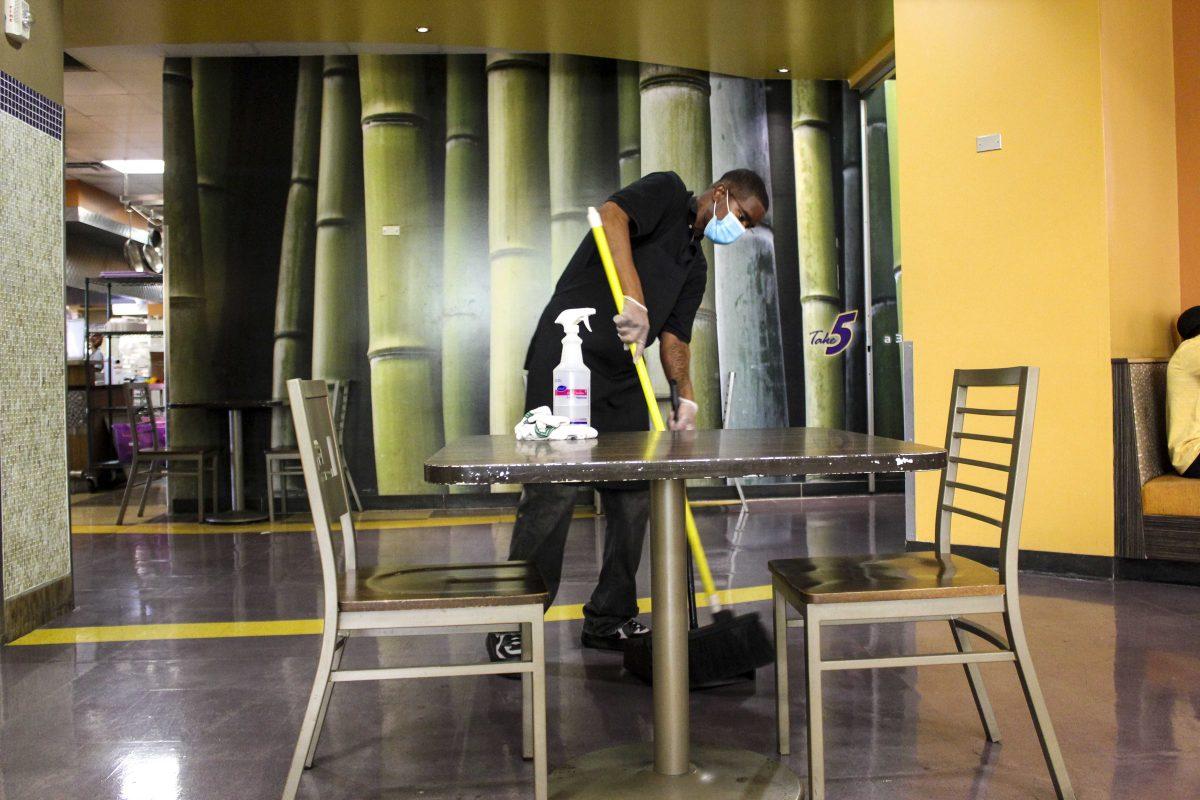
(136, 166)
(422, 29)
(782, 70)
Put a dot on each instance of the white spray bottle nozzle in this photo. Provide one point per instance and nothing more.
(571, 318)
(593, 217)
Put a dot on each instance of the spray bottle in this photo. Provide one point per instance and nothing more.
(572, 379)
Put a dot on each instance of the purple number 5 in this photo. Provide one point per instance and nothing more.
(842, 330)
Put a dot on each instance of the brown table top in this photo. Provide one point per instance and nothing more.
(681, 454)
(228, 405)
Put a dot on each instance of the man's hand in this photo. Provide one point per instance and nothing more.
(633, 324)
(684, 418)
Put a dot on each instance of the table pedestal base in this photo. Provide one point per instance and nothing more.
(240, 517)
(627, 773)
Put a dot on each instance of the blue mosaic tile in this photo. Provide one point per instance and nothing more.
(31, 107)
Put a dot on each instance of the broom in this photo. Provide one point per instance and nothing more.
(731, 647)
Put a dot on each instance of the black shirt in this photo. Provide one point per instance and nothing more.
(673, 272)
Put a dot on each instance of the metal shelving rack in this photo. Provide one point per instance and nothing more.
(107, 280)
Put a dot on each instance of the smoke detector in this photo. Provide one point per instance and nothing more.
(18, 19)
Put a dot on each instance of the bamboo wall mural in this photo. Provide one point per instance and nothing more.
(188, 356)
(746, 292)
(430, 203)
(465, 277)
(518, 223)
(583, 148)
(820, 292)
(676, 135)
(629, 122)
(294, 293)
(889, 411)
(404, 284)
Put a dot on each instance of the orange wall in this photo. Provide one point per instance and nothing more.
(1138, 90)
(1187, 139)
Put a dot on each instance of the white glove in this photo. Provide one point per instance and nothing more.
(633, 324)
(684, 418)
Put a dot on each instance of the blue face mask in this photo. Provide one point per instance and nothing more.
(725, 230)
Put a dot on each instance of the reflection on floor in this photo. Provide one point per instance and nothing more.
(167, 714)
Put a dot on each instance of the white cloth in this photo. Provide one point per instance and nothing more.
(542, 425)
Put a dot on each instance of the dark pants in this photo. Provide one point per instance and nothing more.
(1194, 470)
(540, 535)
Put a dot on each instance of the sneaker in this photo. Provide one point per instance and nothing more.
(630, 629)
(503, 647)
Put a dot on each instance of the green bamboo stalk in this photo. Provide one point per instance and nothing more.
(582, 140)
(403, 283)
(885, 345)
(212, 90)
(339, 265)
(676, 136)
(518, 223)
(465, 272)
(747, 296)
(629, 122)
(852, 259)
(294, 295)
(820, 293)
(889, 88)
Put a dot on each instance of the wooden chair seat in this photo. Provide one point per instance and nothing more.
(177, 452)
(407, 587)
(906, 576)
(293, 452)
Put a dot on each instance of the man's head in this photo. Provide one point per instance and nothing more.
(740, 192)
(1188, 324)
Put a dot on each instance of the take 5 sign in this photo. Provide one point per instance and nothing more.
(839, 336)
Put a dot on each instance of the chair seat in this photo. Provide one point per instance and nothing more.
(1171, 495)
(905, 576)
(406, 587)
(287, 452)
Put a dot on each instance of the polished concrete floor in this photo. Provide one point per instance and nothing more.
(152, 712)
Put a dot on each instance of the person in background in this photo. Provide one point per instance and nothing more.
(96, 357)
(1183, 397)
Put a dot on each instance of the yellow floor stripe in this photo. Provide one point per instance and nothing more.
(374, 524)
(295, 627)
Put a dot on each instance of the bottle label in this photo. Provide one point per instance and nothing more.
(562, 391)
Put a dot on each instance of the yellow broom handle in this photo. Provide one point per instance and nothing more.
(614, 283)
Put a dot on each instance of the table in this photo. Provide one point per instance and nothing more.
(670, 768)
(237, 513)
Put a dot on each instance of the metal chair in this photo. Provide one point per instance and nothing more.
(284, 462)
(406, 599)
(139, 410)
(934, 586)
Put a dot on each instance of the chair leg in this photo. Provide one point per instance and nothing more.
(146, 490)
(526, 696)
(816, 726)
(200, 490)
(353, 488)
(782, 701)
(978, 691)
(216, 468)
(1037, 703)
(133, 470)
(271, 491)
(537, 646)
(339, 650)
(311, 712)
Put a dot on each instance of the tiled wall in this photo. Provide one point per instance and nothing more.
(34, 523)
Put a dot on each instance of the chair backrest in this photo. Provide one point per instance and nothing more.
(320, 457)
(139, 410)
(989, 436)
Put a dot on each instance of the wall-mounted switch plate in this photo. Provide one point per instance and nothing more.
(985, 143)
(18, 19)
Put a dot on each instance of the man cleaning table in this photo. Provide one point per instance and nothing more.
(654, 227)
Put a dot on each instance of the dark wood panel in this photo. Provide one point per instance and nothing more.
(1127, 488)
(1172, 538)
(681, 454)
